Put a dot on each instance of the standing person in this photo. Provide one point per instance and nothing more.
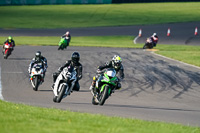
(116, 63)
(38, 59)
(75, 57)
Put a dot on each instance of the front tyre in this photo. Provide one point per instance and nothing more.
(103, 95)
(55, 99)
(61, 93)
(36, 82)
(5, 55)
(61, 47)
(145, 46)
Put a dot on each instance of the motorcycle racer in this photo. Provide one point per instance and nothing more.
(154, 38)
(38, 59)
(74, 62)
(116, 63)
(9, 40)
(67, 36)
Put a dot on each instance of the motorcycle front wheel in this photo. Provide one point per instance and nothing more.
(61, 47)
(94, 101)
(61, 93)
(103, 95)
(55, 99)
(5, 55)
(36, 82)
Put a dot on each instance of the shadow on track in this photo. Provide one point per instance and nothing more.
(152, 75)
(148, 107)
(45, 90)
(21, 59)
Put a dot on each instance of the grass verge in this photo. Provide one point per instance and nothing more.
(67, 16)
(92, 41)
(184, 53)
(19, 118)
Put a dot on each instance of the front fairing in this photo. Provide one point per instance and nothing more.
(37, 70)
(8, 46)
(63, 41)
(105, 79)
(69, 75)
(67, 78)
(111, 81)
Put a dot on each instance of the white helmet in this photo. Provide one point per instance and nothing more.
(154, 34)
(67, 33)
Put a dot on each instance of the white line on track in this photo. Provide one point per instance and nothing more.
(12, 72)
(1, 96)
(176, 60)
(134, 41)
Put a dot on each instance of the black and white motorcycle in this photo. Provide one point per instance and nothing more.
(148, 44)
(64, 84)
(37, 76)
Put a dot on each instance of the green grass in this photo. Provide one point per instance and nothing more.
(19, 118)
(185, 53)
(93, 41)
(65, 16)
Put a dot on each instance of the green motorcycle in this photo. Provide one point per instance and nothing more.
(63, 44)
(105, 86)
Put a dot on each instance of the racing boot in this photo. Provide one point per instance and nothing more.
(92, 87)
(3, 50)
(42, 80)
(52, 87)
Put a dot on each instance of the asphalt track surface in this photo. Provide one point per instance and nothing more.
(155, 88)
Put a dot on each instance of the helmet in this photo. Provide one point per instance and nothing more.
(154, 34)
(155, 37)
(9, 38)
(116, 62)
(67, 33)
(38, 56)
(75, 57)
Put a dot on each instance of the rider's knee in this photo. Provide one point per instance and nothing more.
(55, 75)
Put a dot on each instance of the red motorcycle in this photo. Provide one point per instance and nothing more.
(8, 47)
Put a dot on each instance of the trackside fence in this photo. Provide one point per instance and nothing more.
(148, 1)
(55, 2)
(51, 2)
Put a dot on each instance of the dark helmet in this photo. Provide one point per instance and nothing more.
(38, 56)
(75, 57)
(116, 62)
